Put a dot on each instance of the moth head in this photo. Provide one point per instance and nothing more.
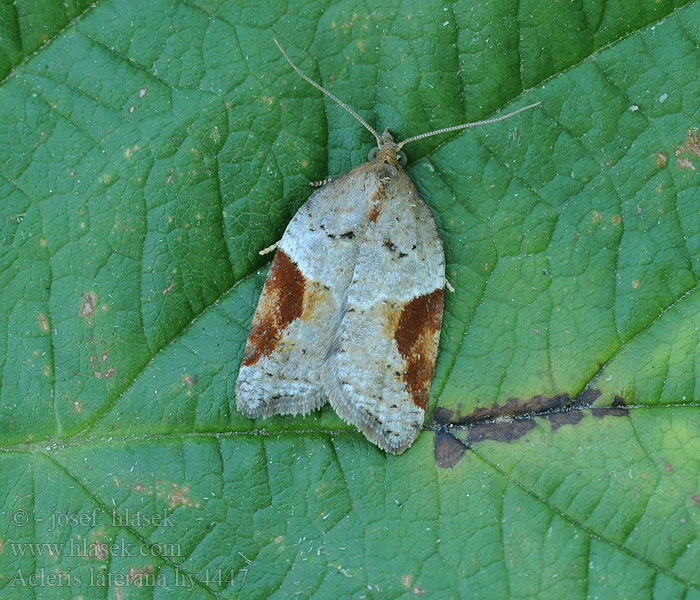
(387, 150)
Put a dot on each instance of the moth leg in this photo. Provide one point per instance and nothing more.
(269, 249)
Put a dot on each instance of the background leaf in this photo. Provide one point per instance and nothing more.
(148, 151)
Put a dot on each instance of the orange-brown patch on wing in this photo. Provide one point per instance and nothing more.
(316, 297)
(281, 302)
(391, 313)
(417, 337)
(376, 201)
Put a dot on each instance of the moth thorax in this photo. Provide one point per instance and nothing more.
(389, 156)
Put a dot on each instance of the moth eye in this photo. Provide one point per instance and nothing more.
(373, 154)
(402, 159)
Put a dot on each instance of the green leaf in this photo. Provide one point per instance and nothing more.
(148, 151)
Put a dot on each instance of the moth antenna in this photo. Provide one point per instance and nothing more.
(305, 77)
(465, 125)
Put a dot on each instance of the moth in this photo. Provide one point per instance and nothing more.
(351, 309)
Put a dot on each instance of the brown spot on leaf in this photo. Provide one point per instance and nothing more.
(43, 322)
(688, 150)
(99, 549)
(140, 576)
(661, 159)
(417, 336)
(178, 496)
(668, 467)
(448, 450)
(189, 380)
(77, 406)
(87, 310)
(691, 142)
(168, 289)
(281, 302)
(696, 498)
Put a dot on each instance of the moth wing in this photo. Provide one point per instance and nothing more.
(381, 360)
(290, 334)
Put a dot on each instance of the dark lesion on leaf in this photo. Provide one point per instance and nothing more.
(505, 431)
(516, 407)
(587, 397)
(442, 415)
(448, 450)
(512, 420)
(536, 406)
(619, 402)
(568, 417)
